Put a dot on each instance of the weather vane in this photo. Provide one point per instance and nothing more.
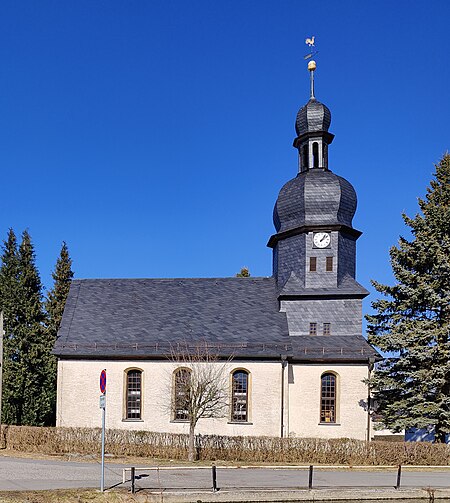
(310, 42)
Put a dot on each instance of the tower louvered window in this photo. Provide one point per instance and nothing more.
(328, 398)
(239, 399)
(133, 394)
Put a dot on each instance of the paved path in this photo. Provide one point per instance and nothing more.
(29, 474)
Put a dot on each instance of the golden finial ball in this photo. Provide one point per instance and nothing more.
(312, 65)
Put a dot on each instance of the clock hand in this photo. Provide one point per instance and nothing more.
(324, 237)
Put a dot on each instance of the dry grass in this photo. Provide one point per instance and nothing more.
(71, 496)
(122, 443)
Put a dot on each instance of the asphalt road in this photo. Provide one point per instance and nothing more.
(29, 474)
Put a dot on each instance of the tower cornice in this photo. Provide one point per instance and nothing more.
(328, 137)
(345, 229)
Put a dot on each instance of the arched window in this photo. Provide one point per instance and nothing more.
(315, 155)
(182, 384)
(328, 398)
(133, 408)
(239, 398)
(325, 155)
(305, 156)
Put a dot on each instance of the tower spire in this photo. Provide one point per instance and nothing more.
(312, 123)
(311, 64)
(311, 67)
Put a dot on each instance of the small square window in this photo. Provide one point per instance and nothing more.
(327, 329)
(313, 264)
(329, 264)
(313, 329)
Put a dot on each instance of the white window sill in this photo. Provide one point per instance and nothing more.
(329, 424)
(131, 420)
(239, 422)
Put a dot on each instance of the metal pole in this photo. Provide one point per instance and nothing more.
(214, 478)
(399, 474)
(310, 482)
(369, 374)
(133, 478)
(102, 483)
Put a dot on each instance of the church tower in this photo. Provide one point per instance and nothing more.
(314, 248)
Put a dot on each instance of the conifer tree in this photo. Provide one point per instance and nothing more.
(9, 301)
(26, 396)
(57, 296)
(412, 322)
(244, 273)
(54, 306)
(32, 341)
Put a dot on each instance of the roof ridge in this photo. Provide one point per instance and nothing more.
(173, 279)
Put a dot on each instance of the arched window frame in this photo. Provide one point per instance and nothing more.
(237, 396)
(329, 401)
(305, 156)
(133, 394)
(179, 412)
(315, 154)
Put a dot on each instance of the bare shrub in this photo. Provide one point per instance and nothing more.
(215, 447)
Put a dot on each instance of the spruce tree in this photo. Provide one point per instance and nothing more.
(9, 302)
(244, 273)
(57, 296)
(54, 306)
(412, 322)
(32, 341)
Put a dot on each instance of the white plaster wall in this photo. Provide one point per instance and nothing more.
(78, 398)
(304, 401)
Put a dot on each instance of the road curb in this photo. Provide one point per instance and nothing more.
(273, 496)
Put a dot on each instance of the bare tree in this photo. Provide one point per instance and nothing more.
(199, 387)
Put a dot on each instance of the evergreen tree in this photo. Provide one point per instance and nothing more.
(412, 322)
(26, 396)
(54, 306)
(57, 296)
(34, 344)
(244, 273)
(9, 287)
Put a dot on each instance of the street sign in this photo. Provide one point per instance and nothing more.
(103, 381)
(103, 407)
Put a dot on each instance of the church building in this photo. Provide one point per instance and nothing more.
(292, 343)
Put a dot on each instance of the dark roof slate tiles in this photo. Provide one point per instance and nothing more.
(146, 318)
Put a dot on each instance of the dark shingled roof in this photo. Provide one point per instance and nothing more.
(314, 197)
(147, 318)
(347, 287)
(314, 116)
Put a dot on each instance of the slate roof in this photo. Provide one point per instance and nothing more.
(147, 318)
(314, 197)
(347, 287)
(314, 116)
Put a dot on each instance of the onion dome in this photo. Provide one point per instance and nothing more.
(315, 197)
(312, 117)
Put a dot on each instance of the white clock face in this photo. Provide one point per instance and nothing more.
(322, 239)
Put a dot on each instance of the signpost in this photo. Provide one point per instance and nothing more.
(103, 407)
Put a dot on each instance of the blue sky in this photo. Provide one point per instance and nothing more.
(154, 136)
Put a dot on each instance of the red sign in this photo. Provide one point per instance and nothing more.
(103, 381)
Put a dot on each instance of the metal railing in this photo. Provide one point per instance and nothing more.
(133, 472)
